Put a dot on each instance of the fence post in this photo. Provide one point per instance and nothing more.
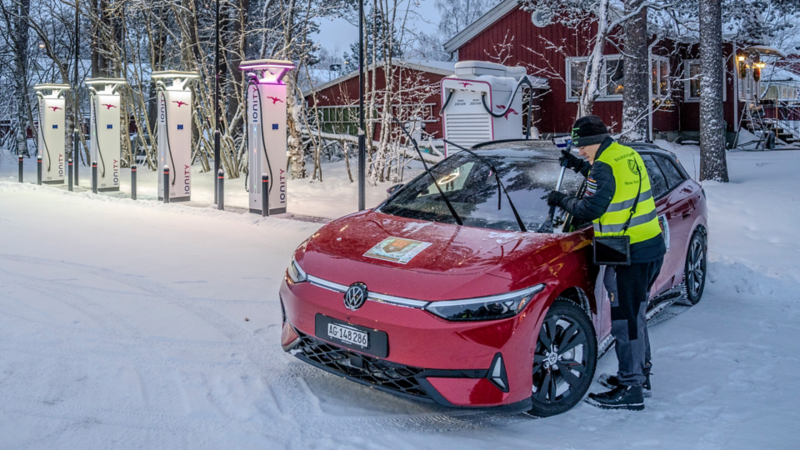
(220, 190)
(20, 168)
(39, 170)
(69, 174)
(133, 182)
(94, 177)
(264, 195)
(166, 184)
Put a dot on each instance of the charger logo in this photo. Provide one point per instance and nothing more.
(275, 100)
(180, 103)
(256, 106)
(187, 187)
(60, 165)
(55, 108)
(465, 84)
(108, 105)
(116, 172)
(163, 109)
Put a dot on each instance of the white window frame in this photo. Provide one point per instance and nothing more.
(687, 63)
(659, 60)
(602, 83)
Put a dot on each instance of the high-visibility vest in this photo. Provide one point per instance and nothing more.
(626, 163)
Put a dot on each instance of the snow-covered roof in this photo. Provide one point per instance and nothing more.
(483, 22)
(773, 74)
(444, 68)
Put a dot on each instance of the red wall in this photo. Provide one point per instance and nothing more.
(544, 51)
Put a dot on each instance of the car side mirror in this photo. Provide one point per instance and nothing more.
(394, 189)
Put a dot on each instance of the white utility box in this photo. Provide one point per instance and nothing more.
(106, 130)
(482, 102)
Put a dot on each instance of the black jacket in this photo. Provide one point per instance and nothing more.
(600, 188)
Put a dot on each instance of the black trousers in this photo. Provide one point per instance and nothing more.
(629, 289)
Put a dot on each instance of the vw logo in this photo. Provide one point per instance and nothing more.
(355, 296)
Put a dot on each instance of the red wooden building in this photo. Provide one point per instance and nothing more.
(559, 53)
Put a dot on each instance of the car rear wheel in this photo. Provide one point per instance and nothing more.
(695, 272)
(564, 360)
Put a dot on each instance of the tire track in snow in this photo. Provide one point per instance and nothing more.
(294, 403)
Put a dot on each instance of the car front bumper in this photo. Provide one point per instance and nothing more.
(429, 358)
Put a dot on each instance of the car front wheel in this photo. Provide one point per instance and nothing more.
(564, 360)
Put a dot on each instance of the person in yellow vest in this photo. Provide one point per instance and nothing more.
(615, 178)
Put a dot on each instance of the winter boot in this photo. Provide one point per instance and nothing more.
(621, 397)
(611, 382)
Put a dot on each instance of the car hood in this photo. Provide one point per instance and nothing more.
(459, 262)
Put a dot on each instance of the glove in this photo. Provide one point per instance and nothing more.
(573, 162)
(555, 198)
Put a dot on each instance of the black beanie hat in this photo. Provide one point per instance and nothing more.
(589, 130)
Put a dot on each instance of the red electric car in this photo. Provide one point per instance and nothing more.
(488, 314)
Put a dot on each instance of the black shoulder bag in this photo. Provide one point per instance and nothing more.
(616, 250)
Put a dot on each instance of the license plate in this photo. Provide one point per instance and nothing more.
(348, 334)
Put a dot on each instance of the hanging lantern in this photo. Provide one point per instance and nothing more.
(757, 70)
(742, 66)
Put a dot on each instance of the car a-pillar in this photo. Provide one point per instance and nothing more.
(51, 133)
(105, 130)
(174, 137)
(265, 124)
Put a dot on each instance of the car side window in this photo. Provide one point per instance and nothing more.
(674, 178)
(658, 183)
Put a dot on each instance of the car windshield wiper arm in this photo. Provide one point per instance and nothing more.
(435, 183)
(499, 183)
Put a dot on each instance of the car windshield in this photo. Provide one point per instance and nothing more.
(527, 171)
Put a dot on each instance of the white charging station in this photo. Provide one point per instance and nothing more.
(51, 135)
(266, 131)
(106, 130)
(482, 102)
(174, 136)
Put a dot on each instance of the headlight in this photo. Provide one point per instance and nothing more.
(485, 308)
(295, 273)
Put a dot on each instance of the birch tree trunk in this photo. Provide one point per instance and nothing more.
(636, 93)
(590, 93)
(20, 40)
(713, 165)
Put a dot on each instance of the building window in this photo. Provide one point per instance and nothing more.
(615, 77)
(659, 77)
(576, 73)
(610, 85)
(692, 72)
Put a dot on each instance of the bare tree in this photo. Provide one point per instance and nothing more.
(713, 165)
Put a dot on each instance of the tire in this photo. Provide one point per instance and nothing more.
(554, 390)
(694, 272)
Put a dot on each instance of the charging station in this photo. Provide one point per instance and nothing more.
(106, 130)
(482, 102)
(51, 135)
(266, 132)
(174, 136)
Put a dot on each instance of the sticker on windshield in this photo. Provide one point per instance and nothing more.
(397, 250)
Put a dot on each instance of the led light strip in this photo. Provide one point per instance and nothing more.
(380, 298)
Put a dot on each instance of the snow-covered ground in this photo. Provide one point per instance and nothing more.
(141, 325)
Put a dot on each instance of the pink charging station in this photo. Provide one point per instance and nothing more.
(266, 132)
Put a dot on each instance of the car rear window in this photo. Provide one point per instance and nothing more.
(674, 178)
(658, 183)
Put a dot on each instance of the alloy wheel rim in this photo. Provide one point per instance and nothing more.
(696, 271)
(559, 362)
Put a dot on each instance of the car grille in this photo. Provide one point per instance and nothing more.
(366, 369)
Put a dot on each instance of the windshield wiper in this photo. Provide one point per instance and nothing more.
(435, 183)
(499, 183)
